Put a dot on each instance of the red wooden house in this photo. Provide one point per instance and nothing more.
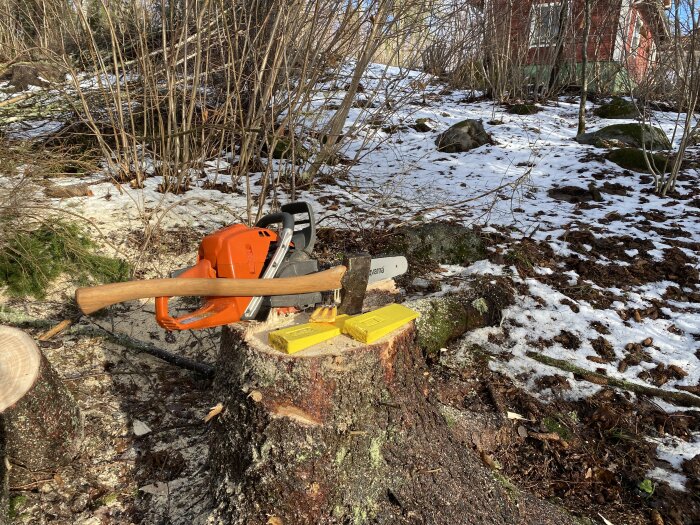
(622, 46)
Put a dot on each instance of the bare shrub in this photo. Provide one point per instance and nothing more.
(166, 88)
(670, 74)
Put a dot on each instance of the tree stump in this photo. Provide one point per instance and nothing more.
(41, 427)
(345, 433)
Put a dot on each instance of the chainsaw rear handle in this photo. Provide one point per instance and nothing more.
(97, 297)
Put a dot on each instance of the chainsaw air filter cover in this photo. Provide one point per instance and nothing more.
(236, 252)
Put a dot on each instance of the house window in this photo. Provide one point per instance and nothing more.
(544, 24)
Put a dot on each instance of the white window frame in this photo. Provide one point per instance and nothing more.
(636, 40)
(653, 53)
(535, 11)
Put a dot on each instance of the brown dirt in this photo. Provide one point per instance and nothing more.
(589, 455)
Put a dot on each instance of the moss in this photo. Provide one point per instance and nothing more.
(635, 159)
(439, 322)
(375, 452)
(480, 305)
(449, 418)
(506, 483)
(30, 261)
(359, 515)
(341, 455)
(285, 148)
(617, 108)
(109, 499)
(443, 319)
(552, 424)
(16, 504)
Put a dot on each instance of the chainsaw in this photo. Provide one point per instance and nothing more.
(239, 260)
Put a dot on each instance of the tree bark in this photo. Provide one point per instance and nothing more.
(43, 429)
(346, 433)
(4, 482)
(584, 67)
(562, 34)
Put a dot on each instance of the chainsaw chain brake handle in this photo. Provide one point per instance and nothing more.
(283, 242)
(301, 246)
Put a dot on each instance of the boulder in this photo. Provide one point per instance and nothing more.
(617, 108)
(424, 125)
(627, 135)
(523, 109)
(21, 75)
(286, 148)
(438, 242)
(634, 159)
(463, 136)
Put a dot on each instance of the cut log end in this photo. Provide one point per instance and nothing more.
(41, 427)
(20, 361)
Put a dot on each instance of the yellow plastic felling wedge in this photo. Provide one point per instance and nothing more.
(302, 336)
(369, 327)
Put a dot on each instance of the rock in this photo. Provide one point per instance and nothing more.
(159, 488)
(694, 138)
(629, 135)
(438, 242)
(617, 108)
(634, 159)
(523, 109)
(424, 125)
(573, 194)
(286, 148)
(21, 75)
(140, 428)
(80, 503)
(463, 136)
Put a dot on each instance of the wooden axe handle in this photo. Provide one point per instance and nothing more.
(92, 299)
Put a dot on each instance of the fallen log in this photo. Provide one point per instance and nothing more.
(345, 432)
(675, 397)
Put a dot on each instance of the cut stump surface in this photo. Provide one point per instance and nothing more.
(346, 433)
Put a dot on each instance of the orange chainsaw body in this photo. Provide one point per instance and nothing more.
(236, 252)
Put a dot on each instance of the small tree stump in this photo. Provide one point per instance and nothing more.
(41, 427)
(345, 433)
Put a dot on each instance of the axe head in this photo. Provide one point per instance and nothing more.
(352, 295)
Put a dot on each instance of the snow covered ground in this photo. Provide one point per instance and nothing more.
(643, 328)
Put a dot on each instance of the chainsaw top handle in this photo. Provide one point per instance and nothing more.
(302, 215)
(285, 219)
